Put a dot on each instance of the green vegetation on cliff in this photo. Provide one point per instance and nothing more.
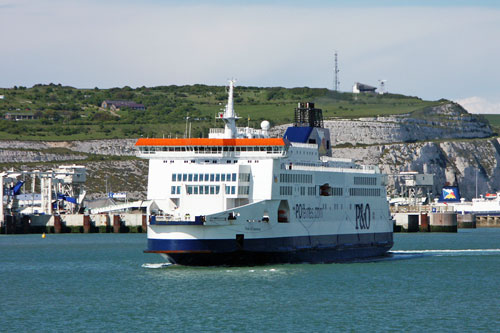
(67, 113)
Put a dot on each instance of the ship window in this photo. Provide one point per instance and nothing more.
(212, 177)
(206, 177)
(190, 177)
(223, 177)
(174, 177)
(184, 177)
(226, 149)
(242, 190)
(233, 189)
(212, 189)
(195, 177)
(228, 189)
(228, 177)
(200, 177)
(172, 190)
(206, 189)
(228, 161)
(234, 177)
(217, 177)
(201, 189)
(178, 190)
(217, 189)
(195, 189)
(189, 190)
(243, 148)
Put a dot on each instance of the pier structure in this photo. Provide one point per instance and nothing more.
(416, 188)
(61, 190)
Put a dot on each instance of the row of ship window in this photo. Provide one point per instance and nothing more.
(364, 192)
(295, 178)
(213, 150)
(288, 190)
(365, 181)
(210, 190)
(331, 191)
(207, 177)
(304, 178)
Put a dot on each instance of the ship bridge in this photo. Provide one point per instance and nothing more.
(199, 147)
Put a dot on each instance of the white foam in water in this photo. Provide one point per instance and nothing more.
(449, 252)
(156, 266)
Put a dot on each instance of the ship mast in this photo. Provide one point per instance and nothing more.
(229, 117)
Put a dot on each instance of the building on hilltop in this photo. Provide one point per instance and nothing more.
(362, 88)
(20, 116)
(117, 105)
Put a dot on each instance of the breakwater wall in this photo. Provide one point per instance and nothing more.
(74, 223)
(425, 222)
(446, 221)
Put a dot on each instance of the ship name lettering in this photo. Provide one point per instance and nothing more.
(303, 212)
(363, 216)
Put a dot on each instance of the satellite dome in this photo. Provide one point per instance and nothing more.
(265, 125)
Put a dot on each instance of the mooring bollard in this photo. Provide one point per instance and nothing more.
(57, 224)
(86, 224)
(26, 221)
(424, 222)
(116, 223)
(144, 223)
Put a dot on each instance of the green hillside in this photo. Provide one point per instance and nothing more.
(67, 113)
(494, 120)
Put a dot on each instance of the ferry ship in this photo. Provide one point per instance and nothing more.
(487, 205)
(240, 197)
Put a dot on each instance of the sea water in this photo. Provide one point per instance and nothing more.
(104, 282)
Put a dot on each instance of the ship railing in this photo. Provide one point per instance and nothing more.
(307, 167)
(217, 131)
(241, 131)
(422, 209)
(175, 220)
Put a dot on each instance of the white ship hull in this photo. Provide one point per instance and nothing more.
(232, 200)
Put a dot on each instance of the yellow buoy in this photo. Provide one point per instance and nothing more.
(43, 235)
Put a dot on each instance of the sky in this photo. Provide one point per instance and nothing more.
(430, 49)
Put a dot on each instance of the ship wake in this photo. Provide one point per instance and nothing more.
(446, 252)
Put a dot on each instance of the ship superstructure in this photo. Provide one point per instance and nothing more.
(240, 197)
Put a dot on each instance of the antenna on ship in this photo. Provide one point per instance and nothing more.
(229, 116)
(186, 131)
(336, 82)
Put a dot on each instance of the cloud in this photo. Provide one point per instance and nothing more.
(479, 105)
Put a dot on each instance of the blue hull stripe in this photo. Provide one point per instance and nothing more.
(330, 248)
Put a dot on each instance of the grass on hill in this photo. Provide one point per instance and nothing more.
(67, 113)
(494, 120)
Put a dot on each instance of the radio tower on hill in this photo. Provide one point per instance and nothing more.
(336, 81)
